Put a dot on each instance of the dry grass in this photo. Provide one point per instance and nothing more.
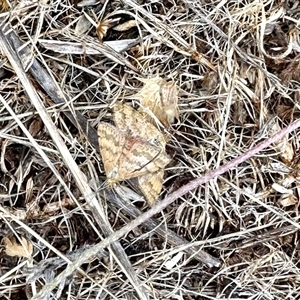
(237, 67)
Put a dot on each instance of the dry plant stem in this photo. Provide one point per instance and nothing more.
(117, 251)
(160, 26)
(198, 10)
(268, 207)
(172, 238)
(270, 235)
(49, 86)
(167, 201)
(53, 91)
(10, 217)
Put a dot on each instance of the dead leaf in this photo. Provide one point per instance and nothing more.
(211, 81)
(161, 97)
(291, 72)
(283, 145)
(287, 200)
(126, 26)
(35, 126)
(199, 57)
(29, 189)
(287, 153)
(3, 6)
(103, 27)
(33, 209)
(53, 207)
(281, 189)
(82, 26)
(12, 248)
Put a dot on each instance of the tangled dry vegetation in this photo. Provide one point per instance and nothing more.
(63, 66)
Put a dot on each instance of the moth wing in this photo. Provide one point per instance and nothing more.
(111, 143)
(137, 124)
(140, 157)
(150, 185)
(126, 117)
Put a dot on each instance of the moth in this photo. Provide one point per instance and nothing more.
(137, 124)
(151, 184)
(125, 156)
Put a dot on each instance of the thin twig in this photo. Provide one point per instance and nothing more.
(167, 201)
